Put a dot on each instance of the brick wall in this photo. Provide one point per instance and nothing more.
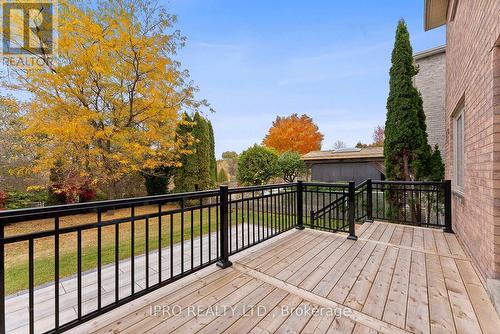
(472, 73)
(430, 81)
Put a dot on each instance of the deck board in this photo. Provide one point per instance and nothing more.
(395, 279)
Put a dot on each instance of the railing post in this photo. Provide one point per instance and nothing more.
(300, 205)
(224, 233)
(2, 279)
(447, 207)
(351, 211)
(369, 201)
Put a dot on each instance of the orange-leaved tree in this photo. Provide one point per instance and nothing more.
(294, 133)
(110, 101)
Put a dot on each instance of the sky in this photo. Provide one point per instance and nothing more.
(254, 60)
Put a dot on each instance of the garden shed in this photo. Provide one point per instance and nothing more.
(350, 164)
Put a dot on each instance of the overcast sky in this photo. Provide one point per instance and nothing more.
(256, 59)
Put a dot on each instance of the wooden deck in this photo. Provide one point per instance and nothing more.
(17, 317)
(393, 279)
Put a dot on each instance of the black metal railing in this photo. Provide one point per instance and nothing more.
(408, 202)
(259, 213)
(331, 207)
(131, 246)
(120, 250)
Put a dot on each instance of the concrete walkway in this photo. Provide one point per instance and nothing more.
(17, 315)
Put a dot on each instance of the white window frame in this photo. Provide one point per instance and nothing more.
(459, 159)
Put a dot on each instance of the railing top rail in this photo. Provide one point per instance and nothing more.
(26, 214)
(263, 187)
(326, 184)
(414, 183)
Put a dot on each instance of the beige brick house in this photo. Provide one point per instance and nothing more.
(473, 125)
(430, 82)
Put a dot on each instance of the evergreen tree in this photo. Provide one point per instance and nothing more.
(185, 175)
(405, 147)
(213, 161)
(408, 155)
(222, 177)
(436, 166)
(195, 172)
(156, 181)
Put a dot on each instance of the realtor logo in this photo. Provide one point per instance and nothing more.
(28, 28)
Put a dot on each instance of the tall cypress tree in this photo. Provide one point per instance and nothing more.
(213, 161)
(195, 172)
(185, 175)
(405, 147)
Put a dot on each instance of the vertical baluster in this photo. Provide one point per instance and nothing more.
(99, 264)
(182, 235)
(171, 245)
(330, 210)
(201, 231)
(192, 239)
(132, 250)
(285, 208)
(281, 210)
(267, 213)
(210, 231)
(159, 243)
(217, 225)
(243, 220)
(79, 270)
(31, 303)
(420, 203)
(272, 206)
(258, 220)
(147, 252)
(117, 262)
(56, 272)
(383, 201)
(253, 217)
(231, 220)
(275, 213)
(288, 208)
(237, 220)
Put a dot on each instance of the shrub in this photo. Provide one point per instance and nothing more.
(100, 196)
(291, 166)
(257, 165)
(157, 180)
(59, 194)
(21, 199)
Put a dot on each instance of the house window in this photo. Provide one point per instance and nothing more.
(458, 149)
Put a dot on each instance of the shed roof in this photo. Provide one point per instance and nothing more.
(365, 153)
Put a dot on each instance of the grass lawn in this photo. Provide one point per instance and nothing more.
(16, 264)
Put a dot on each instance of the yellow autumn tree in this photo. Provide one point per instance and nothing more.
(109, 101)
